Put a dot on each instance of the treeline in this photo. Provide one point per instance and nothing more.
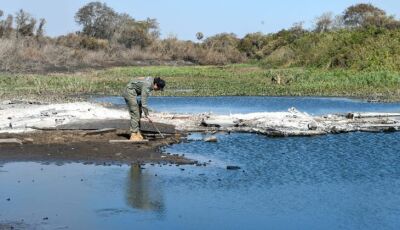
(362, 37)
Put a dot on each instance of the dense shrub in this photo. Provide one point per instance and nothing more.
(372, 48)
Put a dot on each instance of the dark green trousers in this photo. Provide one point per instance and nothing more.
(133, 104)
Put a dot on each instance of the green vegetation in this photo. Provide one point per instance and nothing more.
(238, 79)
(366, 49)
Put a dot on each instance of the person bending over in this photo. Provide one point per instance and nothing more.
(140, 87)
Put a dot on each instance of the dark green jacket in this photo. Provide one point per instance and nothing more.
(142, 87)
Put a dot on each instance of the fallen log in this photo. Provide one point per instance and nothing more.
(211, 139)
(128, 142)
(145, 126)
(11, 141)
(100, 131)
(156, 135)
(378, 129)
(289, 133)
(44, 128)
(372, 115)
(218, 123)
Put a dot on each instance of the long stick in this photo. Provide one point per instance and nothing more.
(155, 127)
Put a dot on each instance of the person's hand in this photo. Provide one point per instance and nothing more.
(145, 111)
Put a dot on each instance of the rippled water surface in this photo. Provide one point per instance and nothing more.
(344, 181)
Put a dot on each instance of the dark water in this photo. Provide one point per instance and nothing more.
(346, 181)
(226, 105)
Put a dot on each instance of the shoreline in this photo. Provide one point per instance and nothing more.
(28, 143)
(61, 147)
(47, 99)
(81, 131)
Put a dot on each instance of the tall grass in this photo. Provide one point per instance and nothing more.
(28, 55)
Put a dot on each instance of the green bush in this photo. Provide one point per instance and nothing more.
(361, 49)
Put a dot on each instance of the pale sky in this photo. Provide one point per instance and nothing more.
(184, 18)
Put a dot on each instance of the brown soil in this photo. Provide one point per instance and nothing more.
(75, 146)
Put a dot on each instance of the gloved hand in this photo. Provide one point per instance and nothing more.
(145, 111)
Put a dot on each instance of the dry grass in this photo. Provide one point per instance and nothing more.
(65, 54)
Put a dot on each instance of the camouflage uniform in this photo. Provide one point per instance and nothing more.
(137, 87)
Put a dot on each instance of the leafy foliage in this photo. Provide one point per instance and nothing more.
(6, 26)
(363, 15)
(98, 20)
(25, 23)
(101, 22)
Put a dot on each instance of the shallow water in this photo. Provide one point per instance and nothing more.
(345, 181)
(227, 105)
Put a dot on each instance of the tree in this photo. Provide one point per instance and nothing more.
(153, 28)
(7, 26)
(290, 35)
(102, 22)
(297, 28)
(25, 23)
(393, 24)
(323, 23)
(1, 24)
(130, 32)
(222, 41)
(252, 43)
(98, 20)
(199, 36)
(361, 15)
(40, 29)
(338, 22)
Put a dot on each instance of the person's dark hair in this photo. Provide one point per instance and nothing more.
(160, 83)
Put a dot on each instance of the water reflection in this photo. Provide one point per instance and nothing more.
(143, 192)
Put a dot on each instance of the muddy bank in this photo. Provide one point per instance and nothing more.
(76, 146)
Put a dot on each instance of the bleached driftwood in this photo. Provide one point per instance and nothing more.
(283, 124)
(128, 142)
(89, 116)
(372, 115)
(10, 141)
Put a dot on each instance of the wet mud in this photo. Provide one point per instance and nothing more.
(79, 146)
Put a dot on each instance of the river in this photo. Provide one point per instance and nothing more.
(344, 181)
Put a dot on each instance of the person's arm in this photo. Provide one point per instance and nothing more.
(145, 95)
